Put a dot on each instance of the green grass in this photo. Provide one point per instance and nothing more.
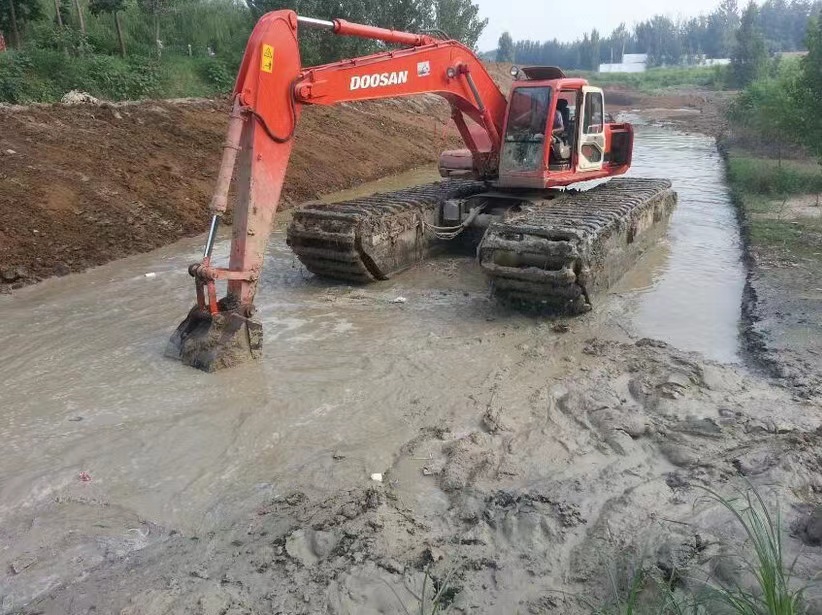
(802, 239)
(767, 176)
(657, 79)
(761, 187)
(434, 598)
(44, 75)
(776, 591)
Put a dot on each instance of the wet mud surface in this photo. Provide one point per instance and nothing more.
(530, 462)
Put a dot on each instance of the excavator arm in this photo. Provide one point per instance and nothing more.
(270, 91)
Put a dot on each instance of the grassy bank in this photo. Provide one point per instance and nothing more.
(779, 202)
(659, 79)
(44, 75)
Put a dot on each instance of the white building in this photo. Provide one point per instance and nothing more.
(631, 63)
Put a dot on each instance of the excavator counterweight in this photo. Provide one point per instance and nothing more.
(541, 245)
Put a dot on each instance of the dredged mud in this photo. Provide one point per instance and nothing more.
(529, 462)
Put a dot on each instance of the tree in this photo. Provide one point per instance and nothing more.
(810, 90)
(460, 20)
(594, 61)
(15, 14)
(113, 7)
(505, 48)
(768, 107)
(616, 43)
(728, 13)
(157, 9)
(749, 57)
(407, 15)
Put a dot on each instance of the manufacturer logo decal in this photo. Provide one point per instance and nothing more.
(423, 69)
(360, 82)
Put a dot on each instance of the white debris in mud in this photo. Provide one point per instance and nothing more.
(398, 300)
(377, 476)
(76, 97)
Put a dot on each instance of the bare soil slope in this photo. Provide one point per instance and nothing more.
(83, 185)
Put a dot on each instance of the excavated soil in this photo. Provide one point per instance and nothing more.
(83, 185)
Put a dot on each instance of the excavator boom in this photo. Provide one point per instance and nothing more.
(537, 245)
(270, 90)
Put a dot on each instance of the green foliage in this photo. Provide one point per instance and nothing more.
(776, 595)
(459, 19)
(659, 38)
(674, 42)
(765, 176)
(13, 68)
(656, 79)
(769, 107)
(505, 48)
(217, 73)
(648, 593)
(16, 14)
(106, 6)
(749, 58)
(783, 107)
(809, 92)
(44, 75)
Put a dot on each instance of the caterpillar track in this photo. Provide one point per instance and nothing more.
(544, 250)
(373, 237)
(555, 254)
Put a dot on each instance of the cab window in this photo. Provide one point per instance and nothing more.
(528, 115)
(593, 113)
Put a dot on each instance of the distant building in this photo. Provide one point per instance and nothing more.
(631, 63)
(701, 60)
(791, 54)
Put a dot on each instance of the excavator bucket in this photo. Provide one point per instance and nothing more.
(216, 341)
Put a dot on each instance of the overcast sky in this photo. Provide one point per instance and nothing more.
(569, 19)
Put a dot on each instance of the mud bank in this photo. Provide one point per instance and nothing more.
(83, 185)
(687, 109)
(782, 299)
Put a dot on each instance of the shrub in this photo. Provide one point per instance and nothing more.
(216, 73)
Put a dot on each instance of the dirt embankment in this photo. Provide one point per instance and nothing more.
(83, 185)
(688, 109)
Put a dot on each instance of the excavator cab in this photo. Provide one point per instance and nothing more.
(544, 147)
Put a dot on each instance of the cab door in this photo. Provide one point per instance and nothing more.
(591, 127)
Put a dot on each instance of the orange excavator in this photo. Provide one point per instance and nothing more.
(542, 245)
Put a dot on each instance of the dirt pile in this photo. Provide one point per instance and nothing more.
(537, 503)
(81, 185)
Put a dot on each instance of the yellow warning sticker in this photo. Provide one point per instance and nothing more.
(267, 59)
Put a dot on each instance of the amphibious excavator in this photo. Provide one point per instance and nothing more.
(542, 244)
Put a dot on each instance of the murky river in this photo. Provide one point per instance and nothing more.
(92, 415)
(689, 287)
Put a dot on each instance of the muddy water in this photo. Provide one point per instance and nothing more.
(687, 290)
(105, 441)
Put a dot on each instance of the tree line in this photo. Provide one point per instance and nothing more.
(154, 27)
(780, 99)
(669, 42)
